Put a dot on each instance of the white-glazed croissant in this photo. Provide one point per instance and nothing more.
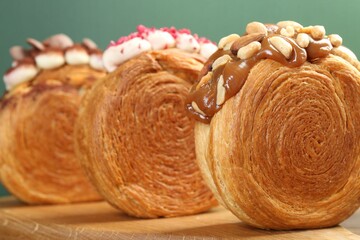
(37, 115)
(133, 135)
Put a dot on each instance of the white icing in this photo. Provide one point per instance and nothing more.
(348, 52)
(154, 40)
(20, 74)
(115, 55)
(49, 60)
(207, 49)
(96, 61)
(160, 40)
(76, 56)
(187, 43)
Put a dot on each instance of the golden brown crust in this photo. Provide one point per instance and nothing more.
(136, 142)
(78, 76)
(283, 153)
(342, 52)
(37, 159)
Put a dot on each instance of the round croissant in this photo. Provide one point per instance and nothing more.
(283, 152)
(37, 157)
(136, 141)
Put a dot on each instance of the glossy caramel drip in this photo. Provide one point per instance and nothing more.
(236, 71)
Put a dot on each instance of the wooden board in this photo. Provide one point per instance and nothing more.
(100, 221)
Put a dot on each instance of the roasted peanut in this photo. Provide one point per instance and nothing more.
(220, 94)
(249, 50)
(289, 31)
(220, 61)
(335, 40)
(283, 46)
(303, 40)
(295, 25)
(317, 32)
(228, 40)
(204, 80)
(196, 108)
(256, 27)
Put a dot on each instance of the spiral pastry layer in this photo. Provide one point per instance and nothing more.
(38, 163)
(136, 141)
(283, 152)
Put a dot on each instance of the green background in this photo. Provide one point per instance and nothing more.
(105, 20)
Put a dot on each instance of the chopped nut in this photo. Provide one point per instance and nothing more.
(220, 95)
(35, 43)
(220, 61)
(303, 40)
(305, 30)
(228, 40)
(228, 46)
(61, 41)
(245, 40)
(295, 25)
(204, 80)
(196, 108)
(282, 46)
(17, 53)
(335, 40)
(317, 32)
(289, 31)
(256, 27)
(249, 50)
(90, 44)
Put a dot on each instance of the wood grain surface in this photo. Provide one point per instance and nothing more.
(100, 221)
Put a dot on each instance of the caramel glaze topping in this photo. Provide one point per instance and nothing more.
(202, 101)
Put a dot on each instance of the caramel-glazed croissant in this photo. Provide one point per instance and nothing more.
(136, 141)
(283, 151)
(37, 157)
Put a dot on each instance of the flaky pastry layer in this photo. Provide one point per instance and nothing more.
(136, 141)
(283, 153)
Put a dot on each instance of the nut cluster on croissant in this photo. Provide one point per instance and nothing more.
(277, 137)
(37, 115)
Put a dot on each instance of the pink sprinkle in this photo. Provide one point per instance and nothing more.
(139, 47)
(143, 32)
(194, 48)
(141, 28)
(190, 40)
(184, 30)
(111, 44)
(133, 35)
(122, 51)
(121, 40)
(172, 31)
(205, 40)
